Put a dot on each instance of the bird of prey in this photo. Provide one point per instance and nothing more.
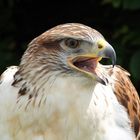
(61, 91)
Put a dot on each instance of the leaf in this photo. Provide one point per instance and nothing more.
(131, 4)
(116, 3)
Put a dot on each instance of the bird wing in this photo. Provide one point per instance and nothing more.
(127, 96)
(7, 78)
(8, 97)
(8, 93)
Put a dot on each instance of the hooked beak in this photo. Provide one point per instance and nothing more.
(106, 51)
(87, 63)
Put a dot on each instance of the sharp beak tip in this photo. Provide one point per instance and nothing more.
(113, 58)
(110, 53)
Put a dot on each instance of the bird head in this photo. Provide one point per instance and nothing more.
(69, 50)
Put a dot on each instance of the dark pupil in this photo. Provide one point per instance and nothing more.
(72, 43)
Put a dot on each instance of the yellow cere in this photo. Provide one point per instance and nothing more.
(101, 43)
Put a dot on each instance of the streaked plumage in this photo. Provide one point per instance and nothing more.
(60, 91)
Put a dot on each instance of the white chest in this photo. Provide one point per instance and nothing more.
(68, 111)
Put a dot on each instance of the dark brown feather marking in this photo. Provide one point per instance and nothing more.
(22, 92)
(136, 125)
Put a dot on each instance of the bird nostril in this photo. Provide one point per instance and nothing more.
(100, 46)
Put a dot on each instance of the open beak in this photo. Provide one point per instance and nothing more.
(87, 63)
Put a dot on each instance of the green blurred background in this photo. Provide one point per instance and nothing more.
(117, 20)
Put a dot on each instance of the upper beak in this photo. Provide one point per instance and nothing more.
(106, 51)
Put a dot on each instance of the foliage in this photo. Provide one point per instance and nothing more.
(128, 36)
(117, 20)
(126, 4)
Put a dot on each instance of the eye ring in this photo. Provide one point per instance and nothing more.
(72, 43)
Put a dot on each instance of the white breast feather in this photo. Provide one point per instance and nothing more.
(72, 110)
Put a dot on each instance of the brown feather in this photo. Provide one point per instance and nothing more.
(127, 96)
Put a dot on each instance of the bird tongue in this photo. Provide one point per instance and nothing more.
(90, 65)
(86, 64)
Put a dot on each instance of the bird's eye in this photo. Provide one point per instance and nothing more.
(72, 43)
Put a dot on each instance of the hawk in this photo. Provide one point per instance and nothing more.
(61, 91)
